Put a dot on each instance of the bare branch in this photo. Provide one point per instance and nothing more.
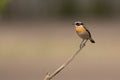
(70, 59)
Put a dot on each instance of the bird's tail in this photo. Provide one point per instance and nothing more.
(92, 41)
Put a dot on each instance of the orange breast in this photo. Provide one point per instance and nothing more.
(79, 29)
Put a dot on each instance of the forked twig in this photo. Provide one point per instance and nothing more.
(50, 76)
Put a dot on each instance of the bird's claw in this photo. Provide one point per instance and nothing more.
(82, 45)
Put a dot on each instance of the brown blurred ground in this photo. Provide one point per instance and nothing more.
(28, 50)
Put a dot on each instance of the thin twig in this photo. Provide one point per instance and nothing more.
(50, 76)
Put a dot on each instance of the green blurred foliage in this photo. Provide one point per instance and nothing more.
(68, 8)
(101, 8)
(64, 8)
(96, 8)
(3, 4)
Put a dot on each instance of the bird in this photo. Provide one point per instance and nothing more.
(83, 33)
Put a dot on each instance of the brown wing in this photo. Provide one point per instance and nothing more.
(88, 31)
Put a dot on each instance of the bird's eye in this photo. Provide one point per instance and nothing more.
(82, 24)
(78, 24)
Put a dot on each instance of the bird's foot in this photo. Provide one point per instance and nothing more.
(82, 45)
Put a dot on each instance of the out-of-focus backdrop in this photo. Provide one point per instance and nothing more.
(37, 36)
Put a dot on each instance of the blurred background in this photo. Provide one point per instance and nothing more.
(37, 36)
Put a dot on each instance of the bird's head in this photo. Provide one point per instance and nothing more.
(78, 23)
